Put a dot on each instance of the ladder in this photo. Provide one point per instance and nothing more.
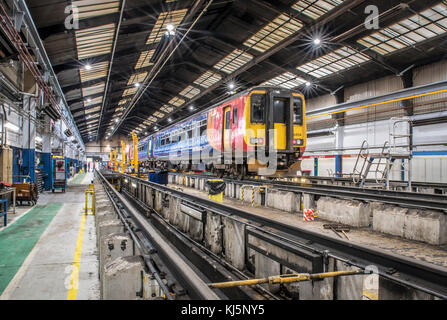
(359, 173)
(397, 148)
(400, 147)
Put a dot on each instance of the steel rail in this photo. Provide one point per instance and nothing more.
(211, 254)
(401, 198)
(410, 272)
(183, 272)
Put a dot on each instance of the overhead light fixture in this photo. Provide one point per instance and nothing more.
(317, 41)
(191, 108)
(137, 85)
(117, 120)
(88, 67)
(170, 27)
(231, 86)
(12, 127)
(170, 119)
(38, 139)
(89, 100)
(308, 84)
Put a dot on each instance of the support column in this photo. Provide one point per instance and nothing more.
(47, 163)
(340, 120)
(407, 81)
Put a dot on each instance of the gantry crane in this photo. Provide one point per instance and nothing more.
(123, 157)
(134, 162)
(115, 163)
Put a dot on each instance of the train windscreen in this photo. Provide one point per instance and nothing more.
(297, 111)
(257, 108)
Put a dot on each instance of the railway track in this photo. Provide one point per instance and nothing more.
(181, 266)
(403, 271)
(400, 198)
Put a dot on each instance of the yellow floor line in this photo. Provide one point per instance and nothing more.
(74, 279)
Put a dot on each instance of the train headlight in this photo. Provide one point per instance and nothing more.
(297, 142)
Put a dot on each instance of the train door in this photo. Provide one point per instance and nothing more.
(281, 110)
(227, 129)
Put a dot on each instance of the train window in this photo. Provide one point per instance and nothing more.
(234, 115)
(227, 119)
(202, 129)
(257, 108)
(162, 142)
(189, 134)
(297, 111)
(279, 109)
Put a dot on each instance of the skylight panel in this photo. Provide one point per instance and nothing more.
(316, 8)
(129, 92)
(152, 119)
(233, 61)
(93, 110)
(123, 101)
(190, 92)
(137, 78)
(94, 8)
(419, 27)
(286, 80)
(338, 60)
(166, 109)
(97, 100)
(165, 18)
(98, 88)
(95, 41)
(208, 79)
(279, 29)
(145, 59)
(159, 114)
(97, 71)
(176, 101)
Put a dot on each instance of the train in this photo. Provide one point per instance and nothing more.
(260, 131)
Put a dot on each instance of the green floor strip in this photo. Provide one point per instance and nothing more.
(78, 179)
(17, 241)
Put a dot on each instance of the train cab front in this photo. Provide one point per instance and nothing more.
(277, 126)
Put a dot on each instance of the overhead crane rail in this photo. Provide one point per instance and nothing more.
(406, 271)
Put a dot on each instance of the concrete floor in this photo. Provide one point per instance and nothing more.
(50, 267)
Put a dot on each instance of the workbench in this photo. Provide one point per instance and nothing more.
(7, 191)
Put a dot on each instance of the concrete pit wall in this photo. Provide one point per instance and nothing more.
(351, 213)
(421, 225)
(122, 270)
(245, 248)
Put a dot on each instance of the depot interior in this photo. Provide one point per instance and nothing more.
(95, 93)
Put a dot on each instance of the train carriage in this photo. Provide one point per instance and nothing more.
(228, 137)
